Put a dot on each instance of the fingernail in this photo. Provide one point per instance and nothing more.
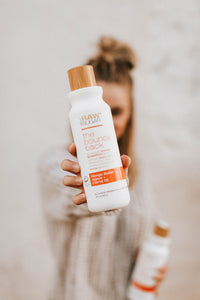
(83, 197)
(62, 165)
(79, 180)
(76, 168)
(65, 180)
(70, 146)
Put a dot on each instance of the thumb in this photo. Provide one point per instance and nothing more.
(126, 161)
(72, 149)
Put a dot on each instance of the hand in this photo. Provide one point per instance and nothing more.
(160, 275)
(77, 181)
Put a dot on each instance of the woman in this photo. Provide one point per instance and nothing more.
(95, 254)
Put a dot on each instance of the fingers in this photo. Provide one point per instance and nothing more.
(76, 182)
(163, 269)
(73, 167)
(73, 181)
(159, 278)
(126, 161)
(70, 166)
(161, 274)
(79, 198)
(72, 149)
(158, 281)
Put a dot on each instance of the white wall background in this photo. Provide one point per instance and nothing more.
(40, 40)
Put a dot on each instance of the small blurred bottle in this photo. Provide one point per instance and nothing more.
(153, 255)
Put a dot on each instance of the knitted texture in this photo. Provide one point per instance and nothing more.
(93, 253)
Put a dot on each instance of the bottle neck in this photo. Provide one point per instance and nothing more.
(162, 241)
(85, 94)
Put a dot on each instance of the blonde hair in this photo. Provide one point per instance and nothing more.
(113, 63)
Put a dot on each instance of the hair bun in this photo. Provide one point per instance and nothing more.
(116, 53)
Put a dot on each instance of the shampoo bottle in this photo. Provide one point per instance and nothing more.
(153, 255)
(97, 148)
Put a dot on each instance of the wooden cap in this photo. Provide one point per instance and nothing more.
(161, 229)
(81, 77)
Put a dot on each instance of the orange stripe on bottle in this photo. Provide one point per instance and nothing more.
(91, 127)
(107, 176)
(142, 287)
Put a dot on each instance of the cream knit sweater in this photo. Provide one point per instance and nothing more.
(94, 254)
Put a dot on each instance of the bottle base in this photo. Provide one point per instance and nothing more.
(122, 199)
(136, 294)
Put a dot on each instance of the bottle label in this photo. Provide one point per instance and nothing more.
(99, 156)
(101, 149)
(107, 176)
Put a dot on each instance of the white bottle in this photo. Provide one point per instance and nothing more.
(153, 255)
(95, 139)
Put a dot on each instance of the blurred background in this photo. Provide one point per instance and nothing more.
(40, 40)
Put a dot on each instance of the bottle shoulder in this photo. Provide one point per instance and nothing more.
(153, 246)
(90, 105)
(85, 94)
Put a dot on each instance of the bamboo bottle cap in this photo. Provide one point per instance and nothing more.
(161, 229)
(81, 77)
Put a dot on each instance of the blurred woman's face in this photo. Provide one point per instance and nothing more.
(118, 97)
